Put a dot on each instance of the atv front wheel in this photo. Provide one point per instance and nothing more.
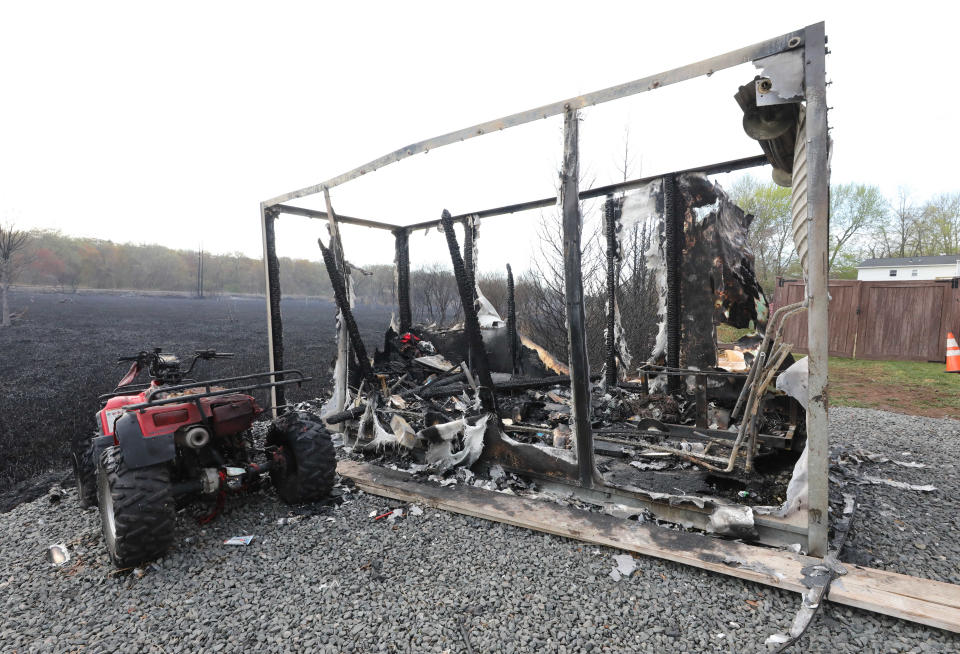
(85, 474)
(307, 466)
(136, 509)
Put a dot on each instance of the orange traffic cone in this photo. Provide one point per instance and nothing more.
(953, 354)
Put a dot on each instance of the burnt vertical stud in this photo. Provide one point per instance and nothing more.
(673, 235)
(343, 303)
(512, 323)
(271, 266)
(478, 354)
(610, 230)
(573, 295)
(402, 237)
(469, 265)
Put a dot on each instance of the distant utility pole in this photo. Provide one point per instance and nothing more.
(200, 271)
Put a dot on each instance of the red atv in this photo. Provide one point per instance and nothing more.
(168, 442)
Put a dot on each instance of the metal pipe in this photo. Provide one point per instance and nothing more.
(771, 327)
(573, 295)
(818, 212)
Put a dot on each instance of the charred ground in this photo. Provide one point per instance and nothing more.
(62, 355)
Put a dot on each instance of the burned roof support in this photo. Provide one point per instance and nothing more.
(573, 291)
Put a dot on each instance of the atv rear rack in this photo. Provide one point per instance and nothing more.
(143, 406)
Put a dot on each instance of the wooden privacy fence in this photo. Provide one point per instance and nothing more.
(906, 321)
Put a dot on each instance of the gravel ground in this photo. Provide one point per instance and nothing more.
(335, 580)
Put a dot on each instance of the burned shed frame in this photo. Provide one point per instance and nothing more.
(794, 72)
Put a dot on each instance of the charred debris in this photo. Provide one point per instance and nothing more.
(694, 423)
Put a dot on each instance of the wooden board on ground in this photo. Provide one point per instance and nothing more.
(927, 602)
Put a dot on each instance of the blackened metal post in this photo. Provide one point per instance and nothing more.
(573, 292)
(673, 233)
(610, 230)
(478, 353)
(818, 203)
(271, 268)
(512, 323)
(402, 261)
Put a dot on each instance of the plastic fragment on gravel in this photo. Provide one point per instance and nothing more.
(57, 554)
(625, 565)
(902, 485)
(239, 540)
(415, 510)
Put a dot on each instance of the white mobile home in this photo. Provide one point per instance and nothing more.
(910, 268)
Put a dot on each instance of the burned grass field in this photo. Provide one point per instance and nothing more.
(61, 356)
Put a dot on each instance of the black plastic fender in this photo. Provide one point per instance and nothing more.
(138, 451)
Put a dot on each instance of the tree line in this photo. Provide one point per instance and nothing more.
(864, 224)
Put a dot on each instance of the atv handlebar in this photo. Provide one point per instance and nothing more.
(210, 354)
(165, 367)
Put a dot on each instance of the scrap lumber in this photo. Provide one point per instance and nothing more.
(924, 601)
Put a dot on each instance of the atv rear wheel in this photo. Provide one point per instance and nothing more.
(308, 465)
(136, 509)
(85, 474)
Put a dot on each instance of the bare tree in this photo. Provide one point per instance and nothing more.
(770, 235)
(434, 295)
(855, 209)
(941, 224)
(12, 244)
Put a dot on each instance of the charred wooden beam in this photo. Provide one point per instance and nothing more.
(402, 237)
(573, 294)
(469, 265)
(610, 230)
(340, 295)
(471, 323)
(512, 322)
(673, 235)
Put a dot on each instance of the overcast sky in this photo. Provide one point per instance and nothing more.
(170, 122)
